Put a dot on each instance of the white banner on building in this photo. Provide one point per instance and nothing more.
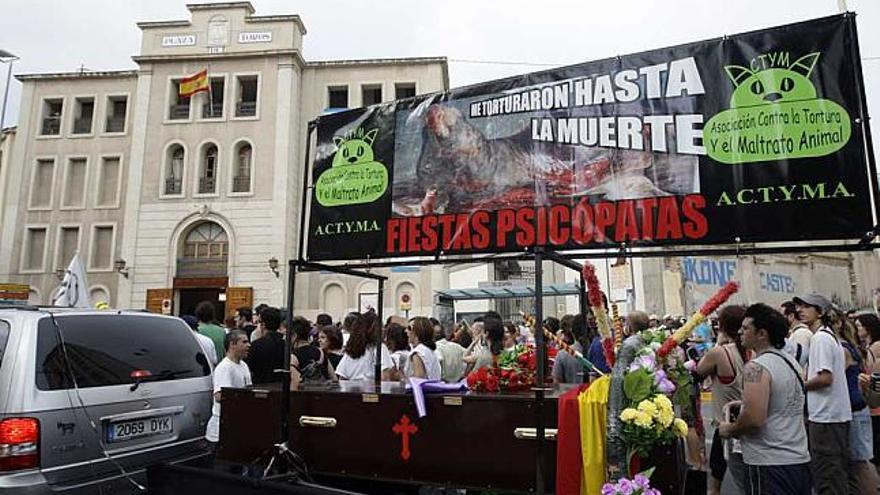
(73, 291)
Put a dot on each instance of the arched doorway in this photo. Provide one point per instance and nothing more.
(202, 268)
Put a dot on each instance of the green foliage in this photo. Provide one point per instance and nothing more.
(637, 385)
(642, 440)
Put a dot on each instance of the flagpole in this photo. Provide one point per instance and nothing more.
(210, 91)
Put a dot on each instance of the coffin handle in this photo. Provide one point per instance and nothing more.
(317, 421)
(532, 433)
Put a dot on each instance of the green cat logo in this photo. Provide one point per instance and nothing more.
(776, 114)
(772, 85)
(354, 150)
(354, 176)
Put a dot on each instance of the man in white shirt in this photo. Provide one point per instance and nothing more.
(449, 354)
(232, 372)
(828, 406)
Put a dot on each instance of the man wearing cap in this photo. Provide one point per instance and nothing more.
(653, 322)
(828, 406)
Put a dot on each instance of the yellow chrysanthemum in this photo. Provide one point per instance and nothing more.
(680, 427)
(628, 415)
(663, 402)
(643, 419)
(646, 406)
(665, 417)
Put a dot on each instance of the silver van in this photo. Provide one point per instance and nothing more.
(89, 398)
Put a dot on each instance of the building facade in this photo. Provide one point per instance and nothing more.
(183, 199)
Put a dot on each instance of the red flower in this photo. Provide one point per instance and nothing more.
(668, 345)
(552, 352)
(594, 293)
(719, 298)
(608, 351)
(492, 383)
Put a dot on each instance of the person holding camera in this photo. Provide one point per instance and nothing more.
(769, 419)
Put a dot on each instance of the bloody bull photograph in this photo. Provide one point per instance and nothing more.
(678, 145)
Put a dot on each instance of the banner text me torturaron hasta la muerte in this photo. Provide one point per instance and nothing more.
(756, 136)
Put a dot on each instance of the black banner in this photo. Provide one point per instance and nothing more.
(751, 138)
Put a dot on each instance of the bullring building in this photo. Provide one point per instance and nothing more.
(184, 199)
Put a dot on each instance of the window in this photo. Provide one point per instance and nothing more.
(241, 181)
(4, 337)
(41, 188)
(34, 249)
(371, 94)
(208, 240)
(103, 350)
(174, 171)
(52, 109)
(404, 90)
(246, 104)
(74, 184)
(83, 113)
(212, 108)
(102, 248)
(117, 108)
(208, 174)
(68, 244)
(337, 97)
(179, 109)
(108, 182)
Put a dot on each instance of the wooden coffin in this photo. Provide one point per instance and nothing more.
(474, 440)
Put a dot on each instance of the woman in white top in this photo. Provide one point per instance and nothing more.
(359, 360)
(422, 362)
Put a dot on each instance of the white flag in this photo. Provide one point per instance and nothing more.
(73, 291)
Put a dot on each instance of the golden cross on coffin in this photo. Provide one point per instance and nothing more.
(404, 428)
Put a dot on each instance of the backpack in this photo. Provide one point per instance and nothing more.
(316, 371)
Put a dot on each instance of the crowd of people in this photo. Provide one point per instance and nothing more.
(796, 389)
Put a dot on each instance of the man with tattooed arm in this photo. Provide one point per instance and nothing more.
(769, 420)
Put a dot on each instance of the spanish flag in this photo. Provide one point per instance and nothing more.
(194, 84)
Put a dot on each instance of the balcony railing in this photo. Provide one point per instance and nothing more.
(241, 184)
(179, 112)
(173, 186)
(115, 124)
(207, 185)
(202, 267)
(246, 109)
(51, 126)
(82, 126)
(214, 111)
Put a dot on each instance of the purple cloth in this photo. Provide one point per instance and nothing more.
(420, 386)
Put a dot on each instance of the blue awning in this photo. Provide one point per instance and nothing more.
(569, 289)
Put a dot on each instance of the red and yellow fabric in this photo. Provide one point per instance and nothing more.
(593, 417)
(194, 84)
(568, 442)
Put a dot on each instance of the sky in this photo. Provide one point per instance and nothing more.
(483, 40)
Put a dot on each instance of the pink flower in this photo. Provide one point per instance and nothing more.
(625, 486)
(609, 489)
(641, 481)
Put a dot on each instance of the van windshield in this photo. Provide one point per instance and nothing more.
(114, 349)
